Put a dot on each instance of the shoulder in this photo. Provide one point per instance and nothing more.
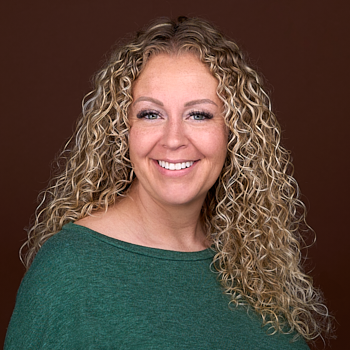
(60, 250)
(72, 258)
(72, 252)
(57, 259)
(50, 297)
(71, 237)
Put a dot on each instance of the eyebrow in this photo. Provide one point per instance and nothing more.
(149, 99)
(187, 104)
(197, 102)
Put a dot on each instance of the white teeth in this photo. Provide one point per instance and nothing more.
(174, 166)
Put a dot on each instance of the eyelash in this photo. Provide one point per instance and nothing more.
(147, 113)
(203, 114)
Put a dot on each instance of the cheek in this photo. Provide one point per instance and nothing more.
(135, 144)
(141, 142)
(215, 144)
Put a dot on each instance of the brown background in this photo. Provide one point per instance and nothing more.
(51, 48)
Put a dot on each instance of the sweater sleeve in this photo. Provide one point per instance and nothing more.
(48, 309)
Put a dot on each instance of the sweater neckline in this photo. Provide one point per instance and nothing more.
(139, 249)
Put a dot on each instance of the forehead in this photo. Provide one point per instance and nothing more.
(175, 72)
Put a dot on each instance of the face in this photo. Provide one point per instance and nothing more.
(177, 137)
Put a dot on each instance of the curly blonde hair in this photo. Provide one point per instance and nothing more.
(253, 213)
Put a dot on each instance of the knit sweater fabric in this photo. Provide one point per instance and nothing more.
(85, 290)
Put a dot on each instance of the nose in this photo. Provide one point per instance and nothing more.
(174, 134)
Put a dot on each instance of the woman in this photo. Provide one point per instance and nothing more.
(175, 223)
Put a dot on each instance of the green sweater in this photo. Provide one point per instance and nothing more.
(85, 290)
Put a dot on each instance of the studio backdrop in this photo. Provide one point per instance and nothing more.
(50, 50)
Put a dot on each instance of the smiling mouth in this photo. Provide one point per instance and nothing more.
(174, 166)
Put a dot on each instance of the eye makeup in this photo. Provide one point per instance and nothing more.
(153, 114)
(148, 114)
(201, 115)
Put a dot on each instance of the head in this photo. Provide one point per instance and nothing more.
(105, 126)
(177, 135)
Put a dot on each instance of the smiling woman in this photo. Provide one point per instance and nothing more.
(176, 119)
(175, 222)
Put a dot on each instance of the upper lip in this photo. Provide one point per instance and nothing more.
(176, 161)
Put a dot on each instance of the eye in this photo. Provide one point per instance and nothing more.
(148, 114)
(200, 115)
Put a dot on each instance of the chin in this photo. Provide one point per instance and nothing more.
(184, 198)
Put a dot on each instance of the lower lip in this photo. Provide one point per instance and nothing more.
(175, 173)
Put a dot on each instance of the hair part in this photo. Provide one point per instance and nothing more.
(252, 214)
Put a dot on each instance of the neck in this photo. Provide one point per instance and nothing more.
(155, 224)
